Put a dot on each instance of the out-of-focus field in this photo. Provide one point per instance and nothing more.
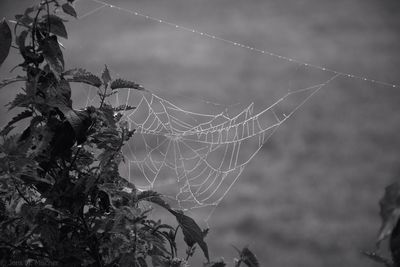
(310, 197)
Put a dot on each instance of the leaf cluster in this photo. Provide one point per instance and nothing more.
(62, 199)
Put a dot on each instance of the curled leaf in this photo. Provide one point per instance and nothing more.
(191, 231)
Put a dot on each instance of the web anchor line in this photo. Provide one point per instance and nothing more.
(238, 44)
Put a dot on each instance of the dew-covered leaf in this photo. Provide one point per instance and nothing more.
(68, 9)
(120, 83)
(5, 40)
(191, 231)
(389, 211)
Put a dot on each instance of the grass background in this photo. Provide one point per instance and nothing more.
(310, 197)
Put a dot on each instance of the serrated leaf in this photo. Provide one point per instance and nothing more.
(5, 40)
(154, 197)
(57, 26)
(20, 100)
(68, 9)
(120, 83)
(389, 211)
(248, 257)
(220, 263)
(20, 116)
(53, 55)
(106, 76)
(123, 108)
(6, 82)
(6, 130)
(83, 76)
(191, 231)
(377, 258)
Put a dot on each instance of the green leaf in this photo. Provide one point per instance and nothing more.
(68, 9)
(53, 55)
(57, 26)
(5, 40)
(120, 83)
(191, 231)
(154, 197)
(20, 116)
(106, 76)
(83, 76)
(389, 211)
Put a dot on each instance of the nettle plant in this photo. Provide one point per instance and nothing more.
(390, 227)
(62, 199)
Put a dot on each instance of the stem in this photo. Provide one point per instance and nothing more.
(94, 248)
(48, 18)
(34, 27)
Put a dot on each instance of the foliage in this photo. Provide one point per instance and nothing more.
(390, 228)
(62, 199)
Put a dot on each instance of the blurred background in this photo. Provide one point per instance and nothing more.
(310, 196)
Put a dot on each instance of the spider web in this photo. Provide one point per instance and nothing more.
(196, 158)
